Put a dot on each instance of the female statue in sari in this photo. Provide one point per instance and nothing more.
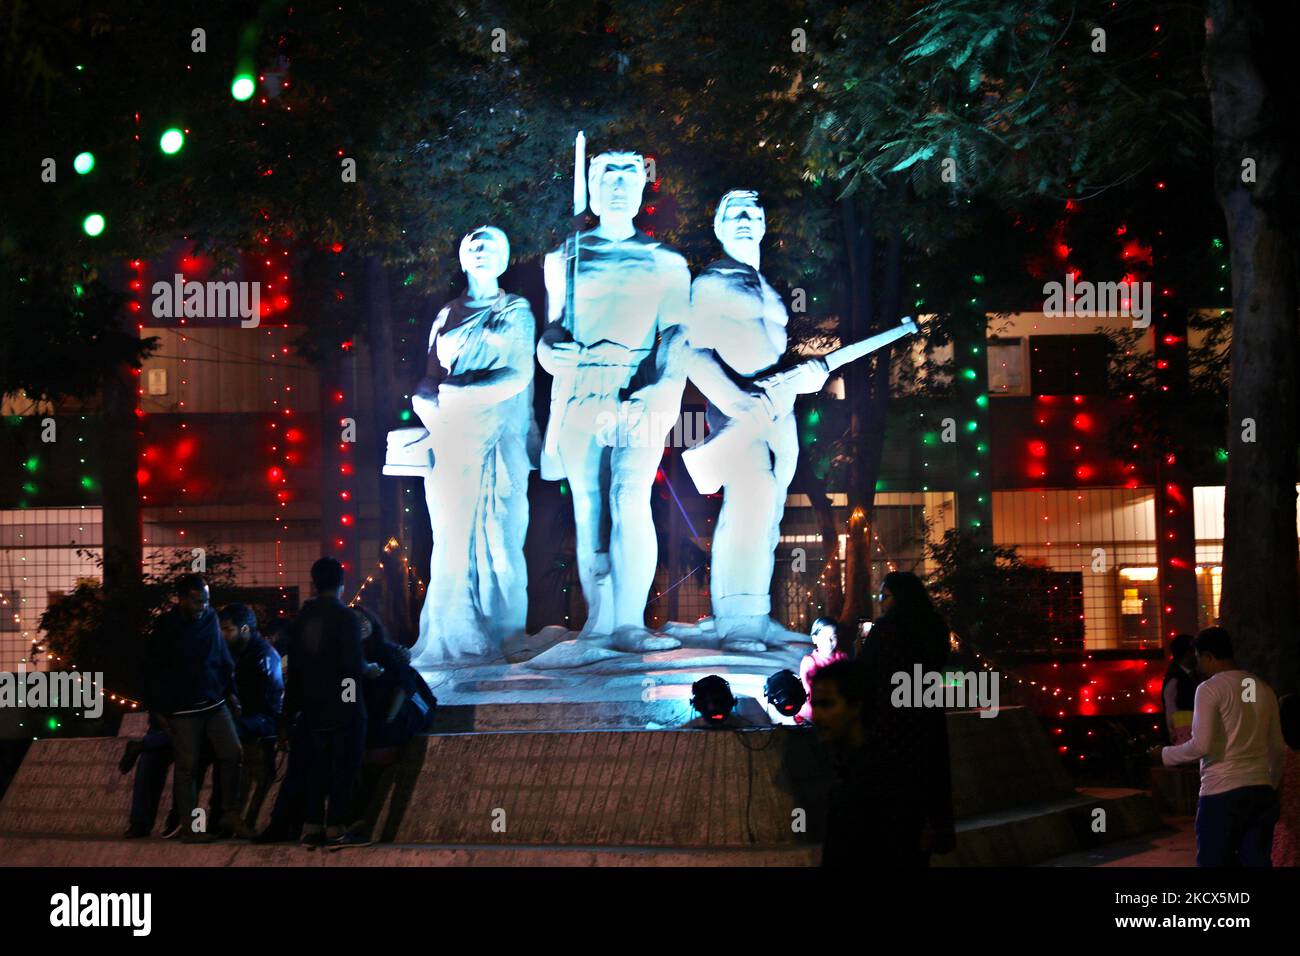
(476, 400)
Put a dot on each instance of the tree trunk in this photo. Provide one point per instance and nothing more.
(396, 608)
(122, 527)
(878, 407)
(829, 576)
(860, 248)
(1260, 587)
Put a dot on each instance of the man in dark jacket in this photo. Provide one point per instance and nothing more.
(324, 699)
(259, 684)
(259, 680)
(191, 681)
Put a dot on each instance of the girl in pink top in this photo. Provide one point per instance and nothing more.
(825, 650)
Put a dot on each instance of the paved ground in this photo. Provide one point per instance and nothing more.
(1175, 845)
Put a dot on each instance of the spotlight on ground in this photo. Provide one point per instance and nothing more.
(712, 698)
(784, 691)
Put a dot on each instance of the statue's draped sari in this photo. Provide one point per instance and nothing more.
(477, 493)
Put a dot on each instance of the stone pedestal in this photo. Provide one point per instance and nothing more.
(522, 794)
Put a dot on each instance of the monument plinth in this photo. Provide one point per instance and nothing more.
(557, 680)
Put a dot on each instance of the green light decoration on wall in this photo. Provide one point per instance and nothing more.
(83, 163)
(93, 224)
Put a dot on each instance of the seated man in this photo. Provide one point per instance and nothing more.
(151, 756)
(399, 705)
(259, 684)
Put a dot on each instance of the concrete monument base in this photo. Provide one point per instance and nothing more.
(555, 680)
(604, 797)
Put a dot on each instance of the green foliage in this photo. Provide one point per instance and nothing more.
(62, 335)
(91, 629)
(1014, 95)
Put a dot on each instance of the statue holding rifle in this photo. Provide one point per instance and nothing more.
(737, 331)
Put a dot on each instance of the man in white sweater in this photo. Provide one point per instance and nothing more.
(1237, 737)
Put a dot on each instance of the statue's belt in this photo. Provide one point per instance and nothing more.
(600, 381)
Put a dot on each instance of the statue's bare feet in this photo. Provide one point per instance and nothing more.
(741, 645)
(639, 640)
(747, 634)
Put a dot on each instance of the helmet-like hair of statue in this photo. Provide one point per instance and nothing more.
(735, 195)
(497, 237)
(597, 169)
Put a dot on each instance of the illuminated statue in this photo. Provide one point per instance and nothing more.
(476, 400)
(615, 303)
(737, 335)
(737, 332)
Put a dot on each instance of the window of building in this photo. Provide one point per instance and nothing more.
(1068, 364)
(10, 618)
(1139, 596)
